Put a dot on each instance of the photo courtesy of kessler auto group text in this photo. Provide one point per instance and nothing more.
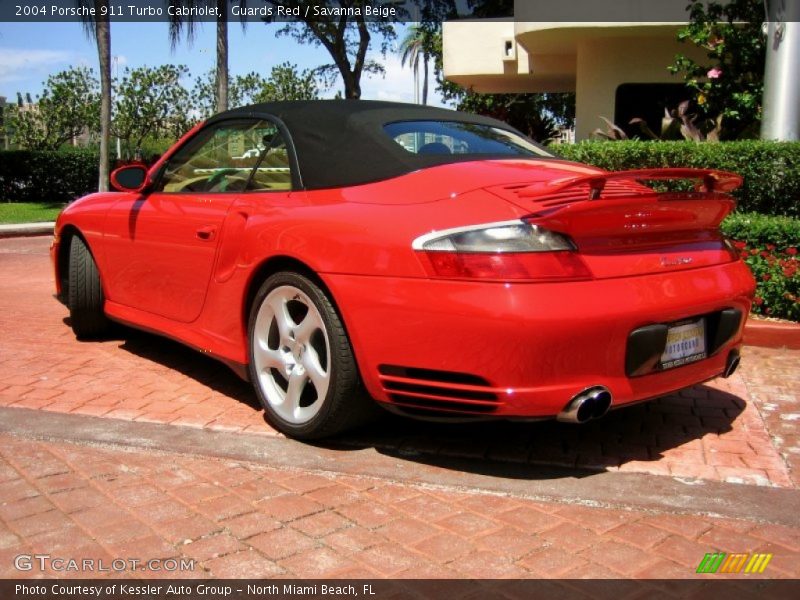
(425, 299)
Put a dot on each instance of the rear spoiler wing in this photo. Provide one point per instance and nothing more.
(709, 181)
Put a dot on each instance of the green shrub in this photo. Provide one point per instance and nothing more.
(151, 146)
(769, 246)
(47, 176)
(759, 230)
(58, 175)
(771, 170)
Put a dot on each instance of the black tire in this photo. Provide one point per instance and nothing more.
(84, 293)
(345, 405)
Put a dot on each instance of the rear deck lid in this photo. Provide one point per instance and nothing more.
(623, 227)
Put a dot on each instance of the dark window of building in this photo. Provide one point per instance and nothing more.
(646, 101)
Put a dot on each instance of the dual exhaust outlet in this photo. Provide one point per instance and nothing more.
(594, 402)
(591, 403)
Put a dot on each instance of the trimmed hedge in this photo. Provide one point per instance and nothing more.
(759, 230)
(771, 170)
(47, 176)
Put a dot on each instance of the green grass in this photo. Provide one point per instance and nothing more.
(28, 212)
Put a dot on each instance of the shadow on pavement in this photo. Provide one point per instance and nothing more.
(642, 432)
(191, 363)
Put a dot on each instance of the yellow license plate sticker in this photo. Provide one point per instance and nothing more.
(686, 343)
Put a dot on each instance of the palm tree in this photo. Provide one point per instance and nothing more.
(413, 46)
(178, 25)
(222, 56)
(100, 30)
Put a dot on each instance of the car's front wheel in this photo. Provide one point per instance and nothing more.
(85, 293)
(301, 361)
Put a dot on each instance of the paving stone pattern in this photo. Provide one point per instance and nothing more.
(742, 430)
(238, 519)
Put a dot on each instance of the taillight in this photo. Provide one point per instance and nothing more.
(511, 250)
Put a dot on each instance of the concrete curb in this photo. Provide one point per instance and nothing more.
(26, 229)
(772, 334)
(562, 485)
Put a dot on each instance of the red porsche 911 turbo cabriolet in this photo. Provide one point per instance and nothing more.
(440, 263)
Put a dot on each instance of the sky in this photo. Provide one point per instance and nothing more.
(29, 52)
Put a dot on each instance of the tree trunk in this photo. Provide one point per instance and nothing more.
(103, 35)
(425, 79)
(352, 87)
(222, 56)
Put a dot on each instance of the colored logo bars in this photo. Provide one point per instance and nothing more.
(720, 562)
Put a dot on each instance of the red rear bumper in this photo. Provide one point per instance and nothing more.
(524, 349)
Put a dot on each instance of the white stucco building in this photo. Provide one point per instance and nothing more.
(618, 69)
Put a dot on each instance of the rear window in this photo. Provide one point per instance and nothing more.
(451, 137)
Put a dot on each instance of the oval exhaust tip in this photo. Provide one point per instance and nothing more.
(585, 409)
(591, 403)
(602, 402)
(732, 363)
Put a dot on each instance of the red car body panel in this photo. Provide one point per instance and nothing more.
(183, 265)
(537, 345)
(139, 233)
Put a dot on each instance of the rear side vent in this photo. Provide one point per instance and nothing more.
(438, 391)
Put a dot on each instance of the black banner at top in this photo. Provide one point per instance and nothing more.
(579, 11)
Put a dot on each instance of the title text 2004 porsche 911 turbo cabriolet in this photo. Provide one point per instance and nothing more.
(438, 262)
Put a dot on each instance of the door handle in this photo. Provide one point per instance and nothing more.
(206, 233)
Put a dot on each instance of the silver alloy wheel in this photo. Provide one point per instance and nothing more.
(291, 354)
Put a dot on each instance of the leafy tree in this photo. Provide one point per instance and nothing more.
(68, 105)
(180, 25)
(730, 81)
(204, 96)
(242, 90)
(245, 89)
(347, 39)
(286, 83)
(536, 115)
(150, 102)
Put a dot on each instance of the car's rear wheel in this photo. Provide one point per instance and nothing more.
(301, 361)
(85, 293)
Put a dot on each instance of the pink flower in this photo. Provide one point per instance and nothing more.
(714, 73)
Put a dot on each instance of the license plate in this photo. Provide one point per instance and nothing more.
(686, 343)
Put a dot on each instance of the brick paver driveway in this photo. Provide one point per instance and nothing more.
(240, 519)
(399, 498)
(744, 429)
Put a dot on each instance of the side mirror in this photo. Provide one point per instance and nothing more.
(130, 178)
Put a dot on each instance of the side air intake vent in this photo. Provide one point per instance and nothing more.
(438, 391)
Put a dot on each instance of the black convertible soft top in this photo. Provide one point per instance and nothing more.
(342, 142)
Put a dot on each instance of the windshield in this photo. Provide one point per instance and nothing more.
(451, 137)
